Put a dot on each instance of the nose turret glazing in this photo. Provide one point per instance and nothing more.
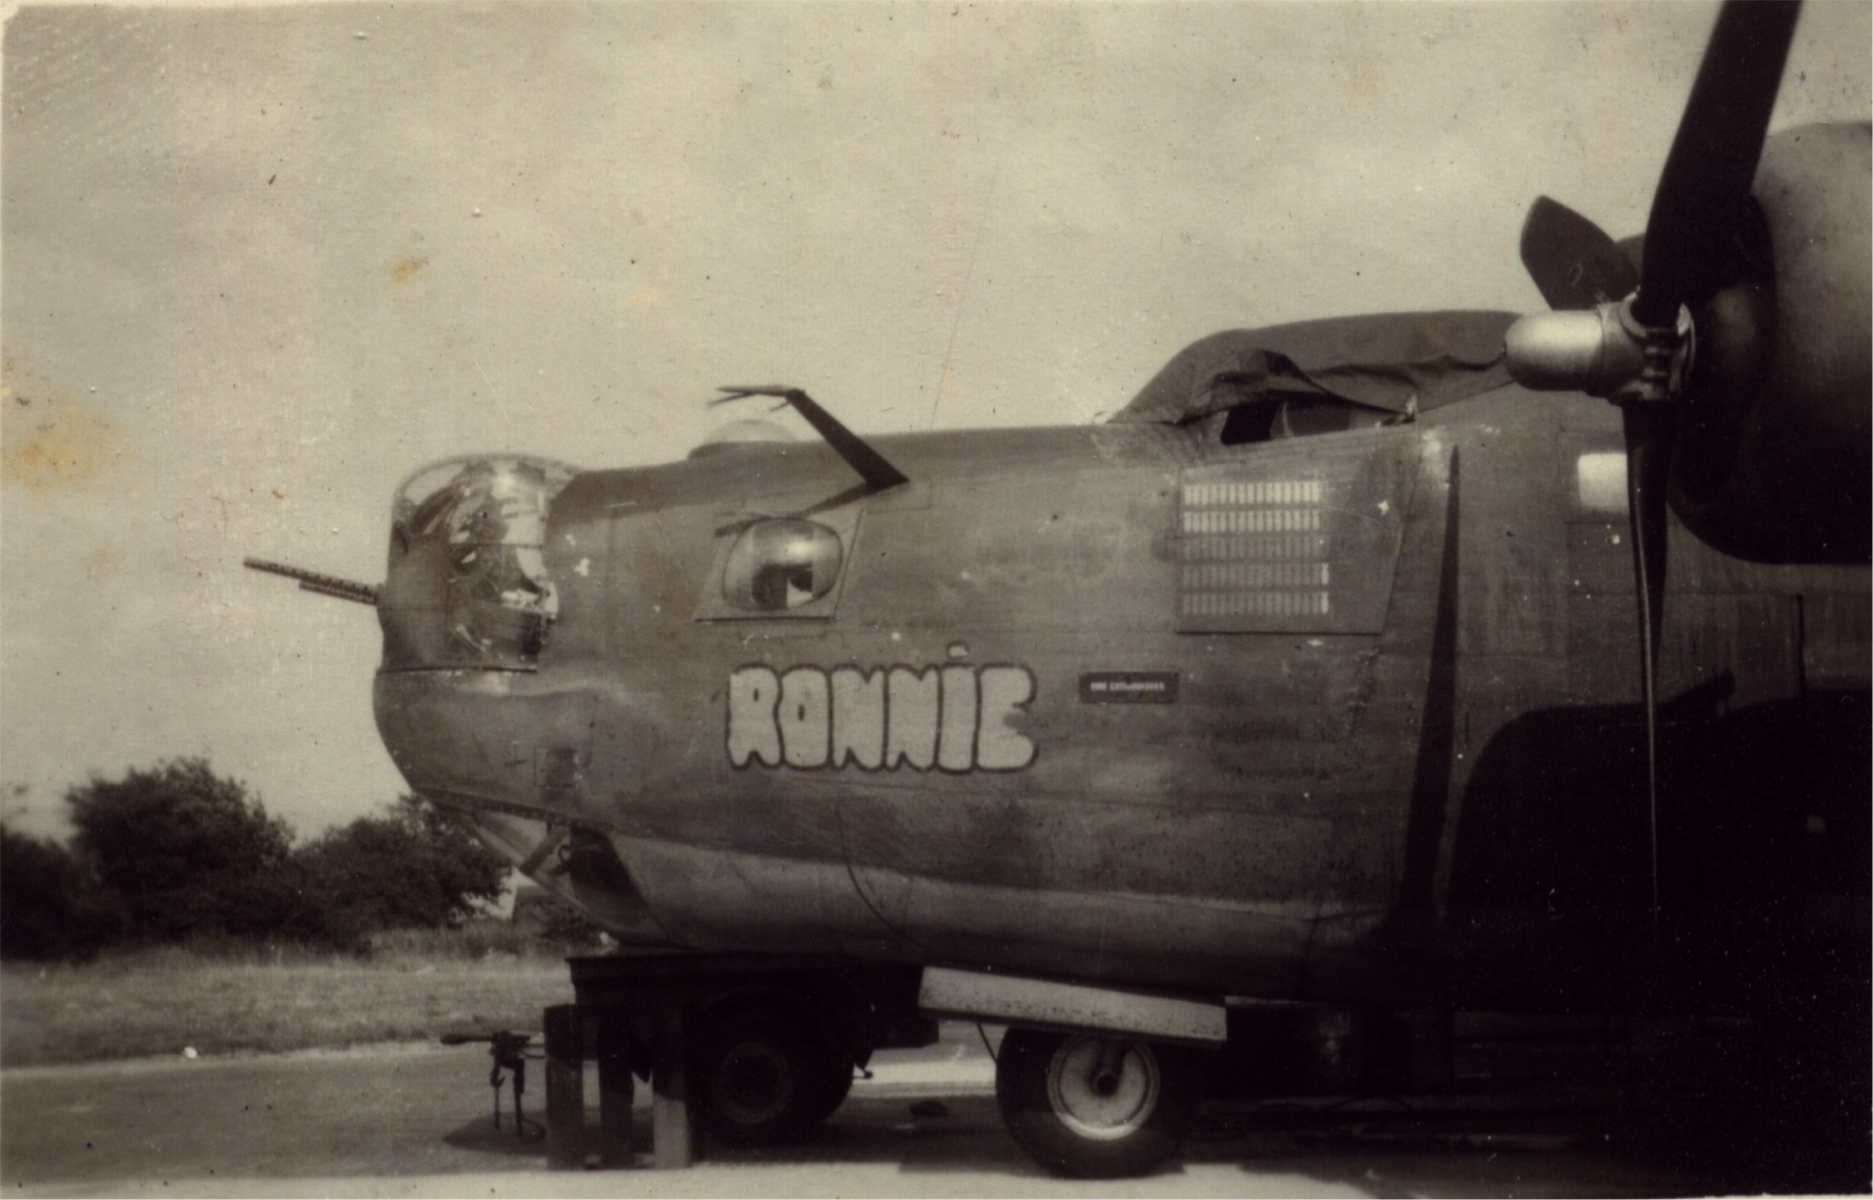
(467, 585)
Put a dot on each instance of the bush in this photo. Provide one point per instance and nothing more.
(565, 926)
(412, 868)
(553, 921)
(177, 855)
(44, 913)
(180, 853)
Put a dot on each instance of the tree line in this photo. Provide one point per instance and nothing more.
(178, 854)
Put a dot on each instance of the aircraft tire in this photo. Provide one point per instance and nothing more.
(1074, 1115)
(759, 1078)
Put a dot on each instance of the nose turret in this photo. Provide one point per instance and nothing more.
(466, 607)
(467, 586)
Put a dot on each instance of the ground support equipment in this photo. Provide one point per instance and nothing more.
(804, 1024)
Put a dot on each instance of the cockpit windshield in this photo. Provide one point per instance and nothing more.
(470, 535)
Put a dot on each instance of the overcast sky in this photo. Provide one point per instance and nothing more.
(260, 264)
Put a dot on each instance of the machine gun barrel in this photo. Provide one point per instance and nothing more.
(312, 581)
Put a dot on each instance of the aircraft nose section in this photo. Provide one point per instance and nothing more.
(466, 607)
(471, 721)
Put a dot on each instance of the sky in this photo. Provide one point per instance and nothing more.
(258, 264)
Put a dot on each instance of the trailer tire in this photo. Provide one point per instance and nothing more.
(1095, 1106)
(759, 1078)
(837, 1086)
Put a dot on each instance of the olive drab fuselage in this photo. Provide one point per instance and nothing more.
(1341, 717)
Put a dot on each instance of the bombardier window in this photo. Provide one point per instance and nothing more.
(781, 564)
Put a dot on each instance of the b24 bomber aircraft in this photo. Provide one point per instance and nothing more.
(1373, 663)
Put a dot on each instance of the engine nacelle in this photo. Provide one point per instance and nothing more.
(1776, 460)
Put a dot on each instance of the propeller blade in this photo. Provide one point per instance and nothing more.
(1648, 462)
(1712, 163)
(1697, 212)
(1631, 353)
(1574, 262)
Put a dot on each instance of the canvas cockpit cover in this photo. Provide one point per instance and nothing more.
(1383, 361)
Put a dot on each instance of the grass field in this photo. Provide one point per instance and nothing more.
(159, 1002)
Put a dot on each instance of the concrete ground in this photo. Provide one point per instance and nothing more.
(415, 1121)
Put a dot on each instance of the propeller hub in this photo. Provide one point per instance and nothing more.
(1603, 351)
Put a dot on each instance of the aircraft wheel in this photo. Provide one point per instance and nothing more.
(1095, 1106)
(759, 1079)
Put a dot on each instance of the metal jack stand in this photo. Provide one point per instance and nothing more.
(509, 1051)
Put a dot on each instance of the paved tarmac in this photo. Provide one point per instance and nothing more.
(415, 1121)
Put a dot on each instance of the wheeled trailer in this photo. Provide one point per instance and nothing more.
(754, 1049)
